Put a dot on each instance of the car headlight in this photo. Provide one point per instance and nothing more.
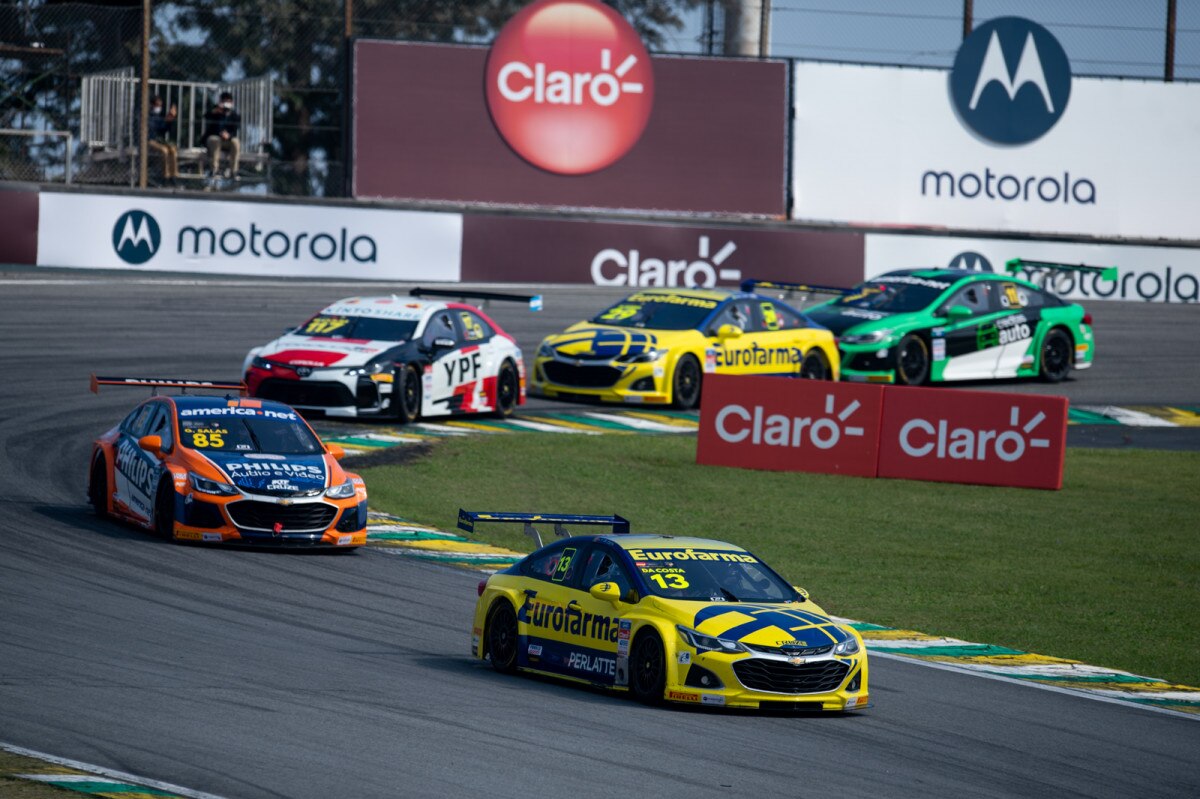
(708, 643)
(847, 647)
(261, 363)
(344, 491)
(206, 486)
(873, 337)
(642, 357)
(545, 350)
(369, 368)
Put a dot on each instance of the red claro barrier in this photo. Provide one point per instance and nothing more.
(943, 434)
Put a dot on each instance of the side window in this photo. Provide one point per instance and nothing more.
(160, 426)
(975, 296)
(1014, 296)
(559, 564)
(137, 427)
(602, 567)
(740, 313)
(475, 328)
(441, 325)
(788, 319)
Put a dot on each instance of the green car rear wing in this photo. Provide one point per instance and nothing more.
(1016, 265)
(797, 288)
(468, 518)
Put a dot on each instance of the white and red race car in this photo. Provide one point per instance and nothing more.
(400, 357)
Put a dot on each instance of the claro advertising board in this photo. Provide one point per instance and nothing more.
(937, 434)
(1152, 274)
(246, 238)
(567, 109)
(1007, 140)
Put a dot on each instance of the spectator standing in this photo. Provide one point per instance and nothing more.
(162, 138)
(221, 133)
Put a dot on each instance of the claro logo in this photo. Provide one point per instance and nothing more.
(612, 267)
(922, 438)
(736, 424)
(136, 237)
(569, 85)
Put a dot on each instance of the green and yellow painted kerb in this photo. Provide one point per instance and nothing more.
(23, 773)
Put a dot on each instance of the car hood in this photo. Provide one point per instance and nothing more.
(762, 624)
(276, 474)
(841, 319)
(597, 342)
(320, 353)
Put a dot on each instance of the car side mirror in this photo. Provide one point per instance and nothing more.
(609, 592)
(957, 313)
(336, 451)
(803, 594)
(728, 331)
(442, 344)
(152, 444)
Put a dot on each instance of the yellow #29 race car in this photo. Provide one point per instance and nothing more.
(667, 619)
(654, 346)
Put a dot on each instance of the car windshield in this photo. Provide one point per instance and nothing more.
(709, 575)
(363, 328)
(894, 294)
(658, 311)
(220, 433)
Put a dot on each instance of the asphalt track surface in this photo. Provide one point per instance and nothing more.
(264, 674)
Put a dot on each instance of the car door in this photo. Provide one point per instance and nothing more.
(1019, 310)
(775, 338)
(447, 370)
(734, 355)
(544, 620)
(601, 648)
(135, 471)
(972, 345)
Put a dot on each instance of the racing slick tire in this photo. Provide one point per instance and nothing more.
(501, 634)
(1055, 356)
(164, 510)
(98, 487)
(912, 361)
(648, 668)
(685, 383)
(406, 393)
(508, 389)
(814, 366)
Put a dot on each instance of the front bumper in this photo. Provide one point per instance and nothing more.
(604, 381)
(259, 520)
(761, 681)
(330, 391)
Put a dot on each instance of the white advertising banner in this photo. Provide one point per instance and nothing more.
(229, 237)
(895, 146)
(1152, 274)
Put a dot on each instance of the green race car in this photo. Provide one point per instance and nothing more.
(915, 326)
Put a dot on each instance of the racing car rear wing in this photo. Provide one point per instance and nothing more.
(1014, 265)
(167, 382)
(534, 300)
(797, 288)
(468, 518)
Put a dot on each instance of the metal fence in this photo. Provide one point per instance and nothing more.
(48, 46)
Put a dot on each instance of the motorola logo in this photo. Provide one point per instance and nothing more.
(1011, 81)
(970, 260)
(136, 237)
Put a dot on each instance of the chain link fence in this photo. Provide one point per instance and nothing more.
(71, 68)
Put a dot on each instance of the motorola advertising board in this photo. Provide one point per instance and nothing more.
(1152, 274)
(246, 238)
(1007, 140)
(567, 110)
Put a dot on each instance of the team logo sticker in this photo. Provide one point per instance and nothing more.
(1011, 81)
(136, 237)
(569, 85)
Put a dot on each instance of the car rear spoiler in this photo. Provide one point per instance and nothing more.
(795, 288)
(468, 518)
(1015, 265)
(167, 382)
(534, 300)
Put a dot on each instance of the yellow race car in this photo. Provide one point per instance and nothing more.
(656, 345)
(666, 619)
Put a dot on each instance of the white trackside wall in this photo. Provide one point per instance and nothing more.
(1152, 274)
(885, 146)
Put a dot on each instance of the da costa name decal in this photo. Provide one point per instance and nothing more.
(569, 85)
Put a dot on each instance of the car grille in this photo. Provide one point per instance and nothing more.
(309, 517)
(312, 393)
(568, 374)
(806, 652)
(868, 362)
(781, 677)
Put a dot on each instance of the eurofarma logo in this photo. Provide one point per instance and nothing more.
(1011, 81)
(569, 85)
(136, 237)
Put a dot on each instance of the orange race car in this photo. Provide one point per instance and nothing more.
(224, 470)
